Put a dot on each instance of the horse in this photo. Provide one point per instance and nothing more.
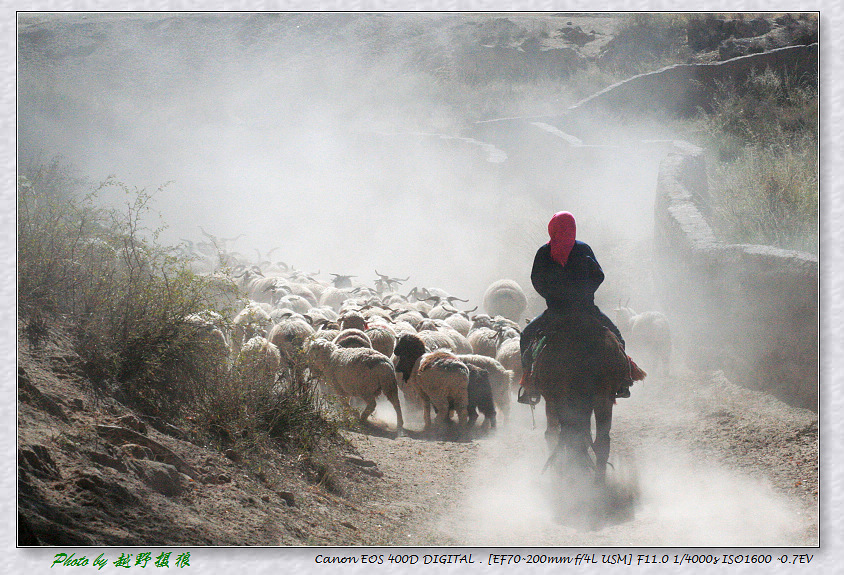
(578, 371)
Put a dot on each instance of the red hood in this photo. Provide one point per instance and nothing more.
(562, 229)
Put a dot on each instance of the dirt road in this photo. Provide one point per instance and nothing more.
(715, 465)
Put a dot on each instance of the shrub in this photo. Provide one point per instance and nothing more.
(125, 298)
(763, 136)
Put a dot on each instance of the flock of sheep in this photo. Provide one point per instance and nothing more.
(416, 348)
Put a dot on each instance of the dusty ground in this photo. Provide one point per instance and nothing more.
(714, 464)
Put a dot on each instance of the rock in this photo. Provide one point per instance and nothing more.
(117, 433)
(133, 423)
(136, 451)
(288, 498)
(576, 35)
(36, 459)
(26, 534)
(162, 477)
(105, 460)
(105, 488)
(29, 393)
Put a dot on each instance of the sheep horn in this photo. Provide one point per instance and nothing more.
(451, 299)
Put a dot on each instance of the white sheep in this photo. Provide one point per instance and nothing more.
(506, 298)
(441, 380)
(459, 322)
(358, 372)
(252, 320)
(333, 297)
(208, 327)
(484, 341)
(383, 338)
(352, 337)
(258, 359)
(647, 333)
(289, 335)
(294, 303)
(509, 355)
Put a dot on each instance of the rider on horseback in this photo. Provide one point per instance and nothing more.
(565, 273)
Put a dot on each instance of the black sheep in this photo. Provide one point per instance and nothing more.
(480, 396)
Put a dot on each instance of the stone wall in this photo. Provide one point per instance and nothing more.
(749, 310)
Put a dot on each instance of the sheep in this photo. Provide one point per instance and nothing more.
(352, 337)
(208, 329)
(435, 339)
(383, 338)
(459, 322)
(357, 372)
(294, 303)
(442, 381)
(384, 283)
(506, 298)
(333, 297)
(649, 333)
(500, 379)
(409, 348)
(509, 355)
(320, 314)
(289, 335)
(352, 320)
(480, 320)
(484, 341)
(250, 321)
(460, 344)
(479, 396)
(401, 327)
(305, 292)
(412, 317)
(258, 359)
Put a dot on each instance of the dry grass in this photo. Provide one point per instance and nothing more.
(764, 177)
(125, 299)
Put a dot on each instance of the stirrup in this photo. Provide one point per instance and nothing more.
(528, 398)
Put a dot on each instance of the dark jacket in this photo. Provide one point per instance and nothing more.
(569, 286)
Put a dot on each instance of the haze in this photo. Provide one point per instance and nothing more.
(332, 137)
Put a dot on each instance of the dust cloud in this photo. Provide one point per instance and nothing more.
(678, 497)
(331, 138)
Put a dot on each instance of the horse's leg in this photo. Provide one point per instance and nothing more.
(552, 430)
(601, 446)
(575, 430)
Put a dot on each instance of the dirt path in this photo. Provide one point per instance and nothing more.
(715, 464)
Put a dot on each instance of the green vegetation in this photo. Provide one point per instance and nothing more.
(763, 136)
(100, 275)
